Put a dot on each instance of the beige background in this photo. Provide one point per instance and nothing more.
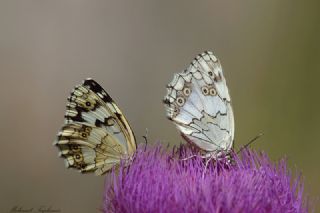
(269, 51)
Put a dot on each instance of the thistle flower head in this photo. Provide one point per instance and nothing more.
(159, 181)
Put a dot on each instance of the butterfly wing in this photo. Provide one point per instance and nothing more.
(198, 102)
(96, 135)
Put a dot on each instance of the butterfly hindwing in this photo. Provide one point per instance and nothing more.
(89, 148)
(198, 102)
(96, 135)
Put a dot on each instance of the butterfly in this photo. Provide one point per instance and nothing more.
(199, 104)
(96, 135)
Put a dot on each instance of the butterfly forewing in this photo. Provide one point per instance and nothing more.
(96, 135)
(198, 102)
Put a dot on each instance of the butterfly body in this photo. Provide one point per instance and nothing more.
(96, 136)
(199, 104)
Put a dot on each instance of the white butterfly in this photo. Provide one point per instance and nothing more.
(198, 102)
(96, 135)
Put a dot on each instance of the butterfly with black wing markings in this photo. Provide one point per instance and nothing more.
(96, 135)
(199, 104)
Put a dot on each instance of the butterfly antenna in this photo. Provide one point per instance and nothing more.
(145, 137)
(250, 142)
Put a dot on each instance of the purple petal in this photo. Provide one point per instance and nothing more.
(158, 181)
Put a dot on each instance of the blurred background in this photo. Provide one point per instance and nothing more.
(270, 52)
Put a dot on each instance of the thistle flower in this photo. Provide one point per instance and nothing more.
(158, 181)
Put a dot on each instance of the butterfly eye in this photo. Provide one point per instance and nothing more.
(174, 112)
(89, 104)
(84, 135)
(205, 90)
(213, 92)
(180, 101)
(186, 91)
(75, 147)
(78, 157)
(210, 73)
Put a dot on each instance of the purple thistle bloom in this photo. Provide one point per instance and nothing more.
(159, 182)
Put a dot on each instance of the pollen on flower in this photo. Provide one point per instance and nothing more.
(159, 181)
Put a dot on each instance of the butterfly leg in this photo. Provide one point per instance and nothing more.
(208, 159)
(192, 156)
